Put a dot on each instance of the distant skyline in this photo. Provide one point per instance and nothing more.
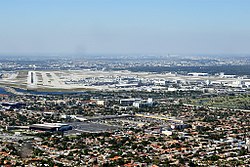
(125, 26)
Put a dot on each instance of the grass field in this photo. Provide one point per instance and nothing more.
(233, 102)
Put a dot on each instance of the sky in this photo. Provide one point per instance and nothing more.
(125, 26)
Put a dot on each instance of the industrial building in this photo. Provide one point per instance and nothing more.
(129, 102)
(52, 127)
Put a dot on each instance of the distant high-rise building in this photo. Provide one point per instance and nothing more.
(248, 144)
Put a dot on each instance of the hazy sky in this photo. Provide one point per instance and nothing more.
(125, 26)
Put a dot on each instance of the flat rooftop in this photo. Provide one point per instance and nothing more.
(49, 125)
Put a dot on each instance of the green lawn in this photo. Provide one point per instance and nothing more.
(234, 102)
